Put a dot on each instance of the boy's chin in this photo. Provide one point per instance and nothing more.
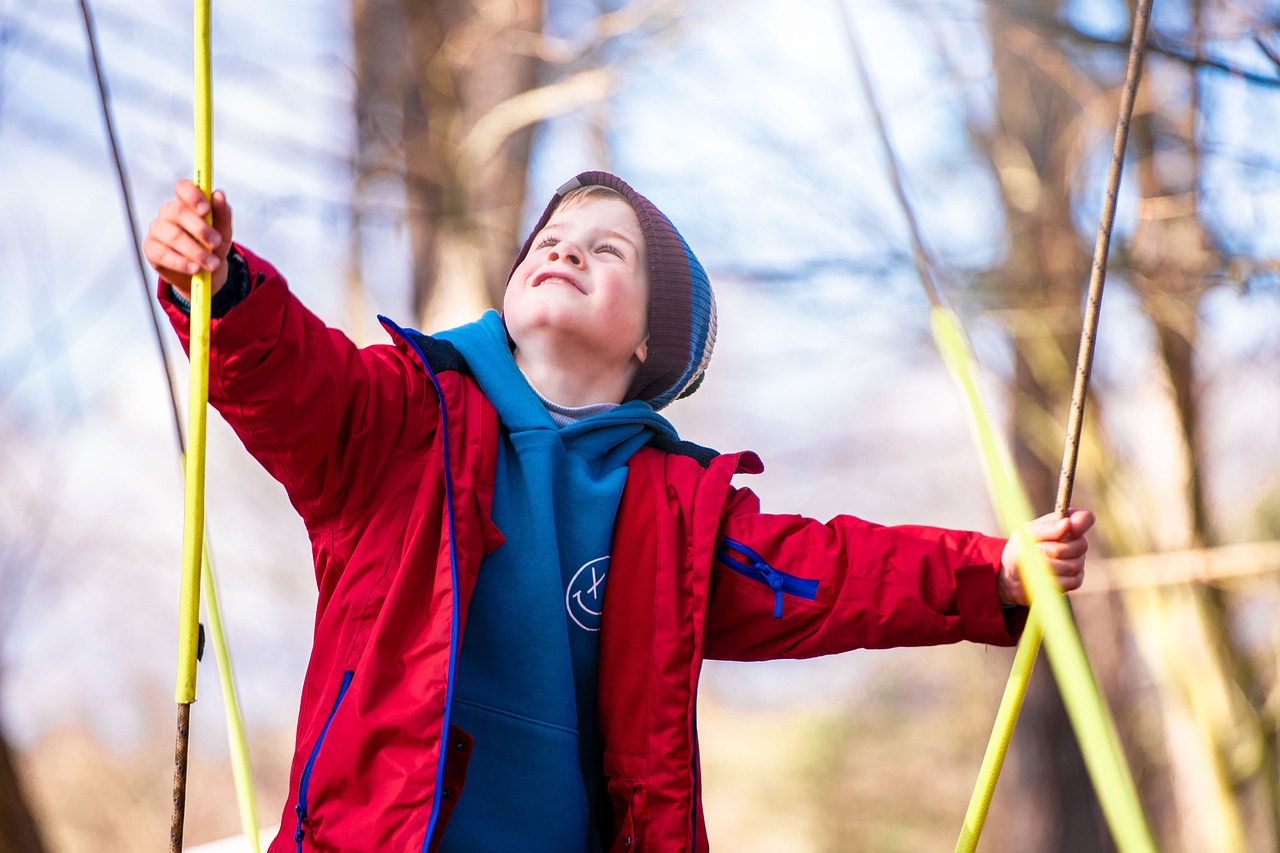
(551, 316)
(545, 327)
(562, 334)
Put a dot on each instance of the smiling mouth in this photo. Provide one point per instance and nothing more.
(555, 278)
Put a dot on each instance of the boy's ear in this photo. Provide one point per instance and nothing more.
(642, 351)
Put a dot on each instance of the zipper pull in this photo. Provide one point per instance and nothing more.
(775, 581)
(301, 811)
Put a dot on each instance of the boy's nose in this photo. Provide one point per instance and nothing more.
(567, 252)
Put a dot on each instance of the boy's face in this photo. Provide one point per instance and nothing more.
(584, 284)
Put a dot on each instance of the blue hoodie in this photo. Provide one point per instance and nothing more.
(526, 678)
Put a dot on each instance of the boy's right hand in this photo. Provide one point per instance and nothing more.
(1062, 543)
(180, 243)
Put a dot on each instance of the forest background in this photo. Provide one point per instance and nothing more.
(388, 156)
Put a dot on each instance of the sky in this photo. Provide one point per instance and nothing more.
(746, 129)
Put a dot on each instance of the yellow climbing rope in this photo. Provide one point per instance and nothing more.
(241, 770)
(1050, 617)
(197, 406)
(235, 721)
(1024, 661)
(197, 564)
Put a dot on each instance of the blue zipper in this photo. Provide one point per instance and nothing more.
(697, 782)
(453, 568)
(751, 565)
(305, 782)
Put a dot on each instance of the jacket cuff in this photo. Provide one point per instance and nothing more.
(232, 293)
(983, 618)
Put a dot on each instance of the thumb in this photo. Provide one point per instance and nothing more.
(1049, 528)
(1080, 521)
(222, 220)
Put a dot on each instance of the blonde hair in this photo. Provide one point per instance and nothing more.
(577, 195)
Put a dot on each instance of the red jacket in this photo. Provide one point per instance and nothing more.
(388, 453)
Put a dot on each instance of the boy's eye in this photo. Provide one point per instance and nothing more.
(609, 247)
(546, 241)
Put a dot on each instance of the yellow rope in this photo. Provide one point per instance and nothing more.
(1015, 690)
(193, 527)
(1087, 711)
(241, 771)
(1089, 716)
(240, 766)
(197, 565)
(193, 505)
(1011, 703)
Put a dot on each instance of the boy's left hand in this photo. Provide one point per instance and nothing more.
(1062, 542)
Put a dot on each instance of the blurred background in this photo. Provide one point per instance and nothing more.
(388, 157)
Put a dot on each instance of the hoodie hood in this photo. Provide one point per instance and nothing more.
(484, 346)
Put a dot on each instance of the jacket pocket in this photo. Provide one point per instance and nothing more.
(305, 781)
(751, 565)
(630, 815)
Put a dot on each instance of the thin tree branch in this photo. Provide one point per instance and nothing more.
(127, 195)
(1172, 568)
(924, 263)
(1053, 26)
(526, 108)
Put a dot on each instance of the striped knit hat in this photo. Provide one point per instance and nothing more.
(682, 308)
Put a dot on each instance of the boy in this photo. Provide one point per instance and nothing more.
(520, 565)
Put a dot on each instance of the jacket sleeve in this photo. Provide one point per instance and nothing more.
(323, 416)
(784, 586)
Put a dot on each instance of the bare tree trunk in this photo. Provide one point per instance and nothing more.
(18, 832)
(1049, 803)
(426, 72)
(466, 58)
(380, 83)
(1173, 257)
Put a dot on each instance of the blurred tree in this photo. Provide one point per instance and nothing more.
(1175, 259)
(447, 96)
(18, 833)
(1034, 145)
(1048, 76)
(426, 74)
(18, 829)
